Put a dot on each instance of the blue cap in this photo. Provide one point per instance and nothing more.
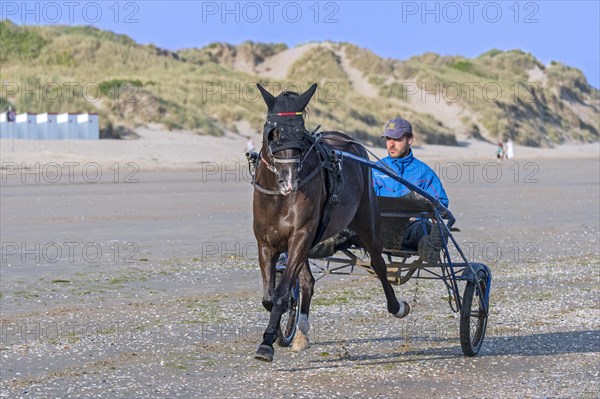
(397, 128)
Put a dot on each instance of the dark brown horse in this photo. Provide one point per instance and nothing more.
(290, 206)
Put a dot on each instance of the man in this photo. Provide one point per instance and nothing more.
(249, 144)
(10, 114)
(399, 136)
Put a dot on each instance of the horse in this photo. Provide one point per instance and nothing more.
(293, 209)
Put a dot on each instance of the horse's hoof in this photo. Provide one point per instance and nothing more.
(264, 353)
(403, 311)
(300, 342)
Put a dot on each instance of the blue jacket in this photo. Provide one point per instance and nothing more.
(412, 170)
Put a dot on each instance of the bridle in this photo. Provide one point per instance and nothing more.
(293, 135)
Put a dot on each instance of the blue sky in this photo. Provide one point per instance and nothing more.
(565, 31)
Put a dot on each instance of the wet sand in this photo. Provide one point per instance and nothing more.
(147, 285)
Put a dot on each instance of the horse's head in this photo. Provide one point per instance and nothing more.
(284, 141)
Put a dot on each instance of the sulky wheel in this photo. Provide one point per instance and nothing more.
(473, 315)
(289, 320)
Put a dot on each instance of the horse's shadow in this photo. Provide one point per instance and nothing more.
(543, 344)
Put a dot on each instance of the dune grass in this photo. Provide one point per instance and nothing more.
(84, 69)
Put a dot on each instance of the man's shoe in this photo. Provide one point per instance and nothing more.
(424, 249)
(429, 249)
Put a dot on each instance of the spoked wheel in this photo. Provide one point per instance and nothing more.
(473, 315)
(289, 320)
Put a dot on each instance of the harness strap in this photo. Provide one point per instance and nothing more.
(330, 182)
(287, 160)
(312, 174)
(264, 190)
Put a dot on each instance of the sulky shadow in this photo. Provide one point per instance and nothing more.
(543, 344)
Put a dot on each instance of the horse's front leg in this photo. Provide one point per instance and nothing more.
(307, 284)
(280, 303)
(267, 257)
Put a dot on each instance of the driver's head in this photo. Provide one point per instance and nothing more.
(398, 135)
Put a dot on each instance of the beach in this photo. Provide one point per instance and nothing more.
(129, 269)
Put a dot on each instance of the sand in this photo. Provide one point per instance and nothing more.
(158, 149)
(172, 307)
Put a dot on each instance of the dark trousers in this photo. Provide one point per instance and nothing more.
(414, 232)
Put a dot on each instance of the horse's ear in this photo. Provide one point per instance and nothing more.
(268, 97)
(304, 98)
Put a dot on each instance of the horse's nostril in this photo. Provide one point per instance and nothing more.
(280, 181)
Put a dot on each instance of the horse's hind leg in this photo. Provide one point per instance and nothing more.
(374, 248)
(307, 283)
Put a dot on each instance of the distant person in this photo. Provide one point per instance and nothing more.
(500, 151)
(509, 149)
(11, 115)
(249, 144)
